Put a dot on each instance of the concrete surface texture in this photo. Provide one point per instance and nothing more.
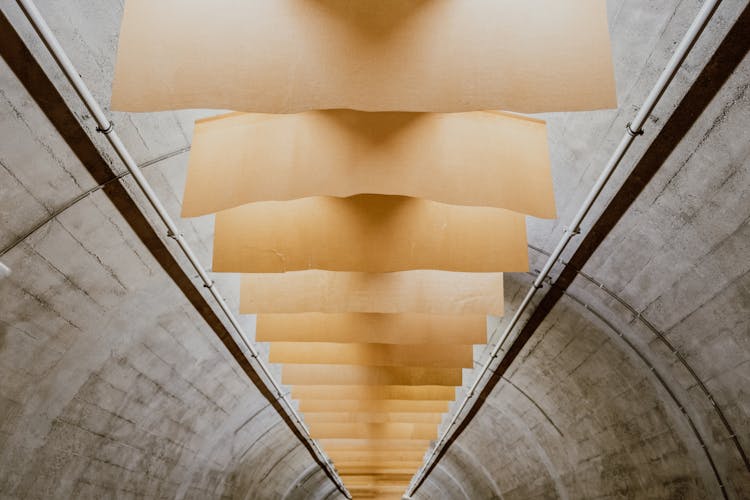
(635, 385)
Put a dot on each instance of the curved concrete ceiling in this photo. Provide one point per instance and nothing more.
(114, 382)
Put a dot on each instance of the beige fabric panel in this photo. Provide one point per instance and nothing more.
(421, 291)
(388, 469)
(376, 393)
(485, 159)
(365, 483)
(368, 375)
(378, 405)
(384, 465)
(374, 444)
(372, 328)
(377, 486)
(393, 490)
(364, 479)
(373, 417)
(368, 233)
(320, 430)
(374, 455)
(436, 356)
(287, 56)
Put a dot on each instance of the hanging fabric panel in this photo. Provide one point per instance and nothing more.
(421, 291)
(434, 329)
(482, 159)
(377, 394)
(288, 56)
(368, 375)
(368, 233)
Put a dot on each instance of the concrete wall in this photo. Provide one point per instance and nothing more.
(114, 386)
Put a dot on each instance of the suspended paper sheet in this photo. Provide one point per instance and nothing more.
(371, 444)
(368, 233)
(373, 431)
(423, 291)
(390, 472)
(380, 491)
(374, 393)
(374, 455)
(357, 405)
(368, 375)
(436, 356)
(373, 417)
(389, 468)
(287, 56)
(390, 488)
(362, 480)
(377, 482)
(381, 476)
(483, 159)
(372, 328)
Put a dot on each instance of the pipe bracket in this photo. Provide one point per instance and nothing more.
(633, 133)
(106, 131)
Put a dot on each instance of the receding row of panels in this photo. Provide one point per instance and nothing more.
(357, 378)
(366, 418)
(376, 406)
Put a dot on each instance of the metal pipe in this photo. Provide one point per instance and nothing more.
(632, 130)
(106, 127)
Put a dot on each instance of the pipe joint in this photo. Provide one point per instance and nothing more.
(633, 133)
(106, 131)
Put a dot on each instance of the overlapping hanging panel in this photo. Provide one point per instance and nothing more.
(371, 230)
(485, 159)
(414, 328)
(368, 233)
(418, 291)
(287, 56)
